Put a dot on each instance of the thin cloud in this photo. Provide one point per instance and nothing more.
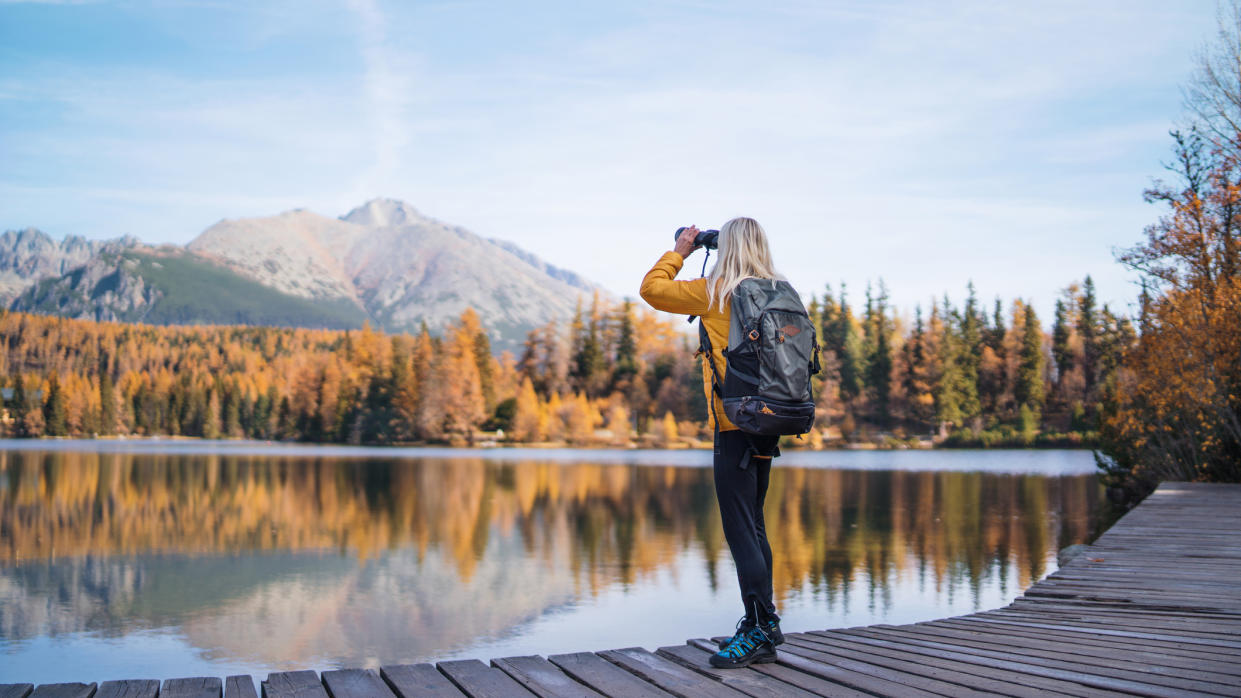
(388, 87)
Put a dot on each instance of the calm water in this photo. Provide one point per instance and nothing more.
(156, 560)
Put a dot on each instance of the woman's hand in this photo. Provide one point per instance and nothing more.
(685, 242)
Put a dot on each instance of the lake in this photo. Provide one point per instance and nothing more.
(159, 559)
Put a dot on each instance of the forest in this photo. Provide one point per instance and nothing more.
(617, 374)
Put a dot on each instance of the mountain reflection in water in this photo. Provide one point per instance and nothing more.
(266, 562)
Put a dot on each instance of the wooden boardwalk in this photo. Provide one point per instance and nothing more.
(1152, 608)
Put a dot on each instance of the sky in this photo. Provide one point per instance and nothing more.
(927, 144)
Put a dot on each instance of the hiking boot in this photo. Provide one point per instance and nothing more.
(772, 628)
(751, 646)
(742, 626)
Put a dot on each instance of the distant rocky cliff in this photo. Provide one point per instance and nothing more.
(383, 263)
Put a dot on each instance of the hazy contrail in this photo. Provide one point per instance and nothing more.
(387, 93)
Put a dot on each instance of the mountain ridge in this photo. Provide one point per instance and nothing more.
(383, 262)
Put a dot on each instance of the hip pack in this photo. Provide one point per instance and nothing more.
(772, 353)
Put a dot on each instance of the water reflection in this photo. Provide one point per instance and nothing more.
(259, 562)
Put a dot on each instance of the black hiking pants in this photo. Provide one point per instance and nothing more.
(740, 491)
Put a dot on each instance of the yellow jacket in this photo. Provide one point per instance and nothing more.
(663, 292)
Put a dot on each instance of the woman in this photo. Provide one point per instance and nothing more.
(740, 487)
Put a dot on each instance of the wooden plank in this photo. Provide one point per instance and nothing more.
(1063, 625)
(356, 683)
(293, 684)
(747, 681)
(131, 688)
(1112, 642)
(15, 690)
(195, 687)
(418, 680)
(542, 678)
(902, 676)
(1137, 598)
(1025, 640)
(667, 674)
(481, 681)
(1037, 685)
(1097, 678)
(1196, 580)
(1181, 639)
(860, 681)
(1121, 620)
(807, 682)
(239, 686)
(1062, 653)
(64, 690)
(1091, 613)
(604, 676)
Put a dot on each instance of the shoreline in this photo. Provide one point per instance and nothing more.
(490, 445)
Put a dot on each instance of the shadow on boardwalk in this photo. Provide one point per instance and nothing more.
(1152, 608)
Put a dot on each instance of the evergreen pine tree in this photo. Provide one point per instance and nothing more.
(232, 411)
(848, 347)
(997, 331)
(1088, 330)
(109, 406)
(626, 365)
(1029, 386)
(22, 407)
(55, 409)
(948, 388)
(586, 356)
(992, 368)
(970, 355)
(879, 361)
(916, 382)
(286, 426)
(272, 424)
(829, 314)
(1115, 340)
(1061, 351)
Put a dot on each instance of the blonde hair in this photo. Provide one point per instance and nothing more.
(744, 254)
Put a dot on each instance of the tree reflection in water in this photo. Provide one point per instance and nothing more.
(339, 559)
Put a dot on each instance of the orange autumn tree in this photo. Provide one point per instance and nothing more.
(1175, 411)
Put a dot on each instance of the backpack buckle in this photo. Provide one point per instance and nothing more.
(753, 335)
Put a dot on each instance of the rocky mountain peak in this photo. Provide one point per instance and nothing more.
(383, 213)
(30, 255)
(384, 262)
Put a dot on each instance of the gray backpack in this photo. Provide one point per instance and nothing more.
(772, 353)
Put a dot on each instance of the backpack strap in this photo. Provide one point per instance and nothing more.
(704, 347)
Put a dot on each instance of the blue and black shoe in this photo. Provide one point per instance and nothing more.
(772, 628)
(748, 646)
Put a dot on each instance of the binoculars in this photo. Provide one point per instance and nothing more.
(706, 238)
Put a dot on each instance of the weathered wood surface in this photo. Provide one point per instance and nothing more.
(293, 684)
(1153, 607)
(542, 678)
(477, 679)
(356, 683)
(239, 687)
(64, 690)
(133, 688)
(418, 680)
(199, 687)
